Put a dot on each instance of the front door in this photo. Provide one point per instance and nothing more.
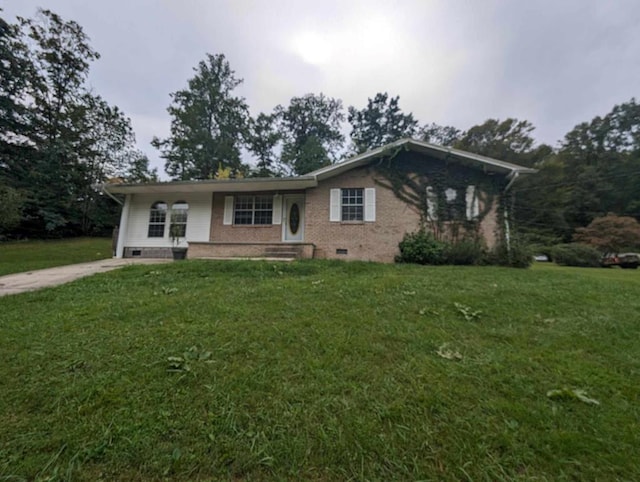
(293, 218)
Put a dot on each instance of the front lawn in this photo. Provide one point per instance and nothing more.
(19, 256)
(204, 370)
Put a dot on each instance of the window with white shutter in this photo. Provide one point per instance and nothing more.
(472, 203)
(432, 204)
(352, 205)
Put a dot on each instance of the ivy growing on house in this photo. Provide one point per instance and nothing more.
(437, 190)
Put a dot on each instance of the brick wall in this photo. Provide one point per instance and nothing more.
(375, 241)
(270, 233)
(371, 241)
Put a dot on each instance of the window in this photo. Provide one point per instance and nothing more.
(250, 210)
(452, 206)
(352, 202)
(179, 214)
(157, 218)
(352, 205)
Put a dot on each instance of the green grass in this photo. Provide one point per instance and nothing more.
(322, 371)
(16, 257)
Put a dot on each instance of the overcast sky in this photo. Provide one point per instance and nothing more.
(457, 62)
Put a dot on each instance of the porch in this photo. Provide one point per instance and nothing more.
(213, 249)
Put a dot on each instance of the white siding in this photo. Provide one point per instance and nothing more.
(198, 221)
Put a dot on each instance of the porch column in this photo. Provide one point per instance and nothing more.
(122, 230)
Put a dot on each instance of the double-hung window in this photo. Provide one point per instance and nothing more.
(157, 218)
(179, 214)
(252, 210)
(352, 204)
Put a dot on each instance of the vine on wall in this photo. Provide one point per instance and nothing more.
(408, 175)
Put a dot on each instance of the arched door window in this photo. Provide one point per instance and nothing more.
(157, 219)
(179, 214)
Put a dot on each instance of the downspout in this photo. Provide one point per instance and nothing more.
(515, 176)
(507, 228)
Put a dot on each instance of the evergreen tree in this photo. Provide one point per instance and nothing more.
(208, 123)
(380, 123)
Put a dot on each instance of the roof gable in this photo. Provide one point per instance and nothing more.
(441, 152)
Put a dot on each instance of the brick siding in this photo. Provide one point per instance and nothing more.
(369, 241)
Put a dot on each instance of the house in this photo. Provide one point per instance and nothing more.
(357, 209)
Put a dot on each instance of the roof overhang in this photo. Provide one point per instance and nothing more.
(226, 185)
(487, 164)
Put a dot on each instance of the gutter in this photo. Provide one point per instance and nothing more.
(103, 190)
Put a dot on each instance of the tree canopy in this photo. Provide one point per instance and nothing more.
(610, 233)
(59, 138)
(311, 131)
(379, 123)
(208, 123)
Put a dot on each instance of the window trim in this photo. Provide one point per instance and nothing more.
(358, 193)
(336, 205)
(265, 199)
(175, 221)
(155, 210)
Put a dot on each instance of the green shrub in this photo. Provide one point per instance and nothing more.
(542, 249)
(421, 248)
(465, 252)
(576, 254)
(518, 255)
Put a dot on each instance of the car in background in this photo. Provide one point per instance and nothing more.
(624, 260)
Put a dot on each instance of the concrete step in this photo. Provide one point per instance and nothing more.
(283, 251)
(282, 254)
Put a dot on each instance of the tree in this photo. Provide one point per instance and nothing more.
(610, 233)
(380, 123)
(310, 129)
(602, 162)
(540, 205)
(58, 137)
(60, 55)
(208, 125)
(441, 135)
(138, 169)
(509, 140)
(11, 201)
(263, 139)
(105, 141)
(14, 74)
(595, 171)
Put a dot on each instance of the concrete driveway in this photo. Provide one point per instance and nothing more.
(42, 278)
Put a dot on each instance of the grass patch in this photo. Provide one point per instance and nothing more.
(19, 256)
(205, 370)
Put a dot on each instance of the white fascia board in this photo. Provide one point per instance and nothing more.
(232, 185)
